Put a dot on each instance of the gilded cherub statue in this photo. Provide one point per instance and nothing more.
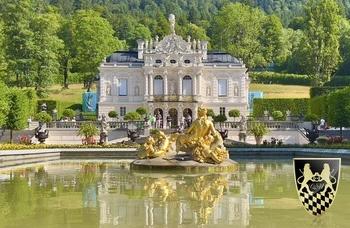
(156, 145)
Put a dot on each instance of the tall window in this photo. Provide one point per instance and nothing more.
(122, 111)
(158, 88)
(222, 87)
(187, 85)
(123, 87)
(222, 111)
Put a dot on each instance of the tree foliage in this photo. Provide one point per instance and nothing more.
(18, 40)
(93, 40)
(339, 108)
(248, 33)
(320, 45)
(142, 111)
(69, 113)
(17, 111)
(234, 113)
(40, 39)
(113, 114)
(132, 116)
(4, 108)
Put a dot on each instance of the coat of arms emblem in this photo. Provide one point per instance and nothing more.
(317, 182)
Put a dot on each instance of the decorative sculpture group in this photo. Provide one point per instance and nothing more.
(41, 133)
(201, 142)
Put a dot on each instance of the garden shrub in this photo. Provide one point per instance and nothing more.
(269, 77)
(296, 106)
(319, 91)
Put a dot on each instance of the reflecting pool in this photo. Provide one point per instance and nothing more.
(105, 193)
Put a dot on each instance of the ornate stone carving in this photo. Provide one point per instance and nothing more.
(201, 142)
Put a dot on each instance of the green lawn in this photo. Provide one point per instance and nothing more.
(69, 98)
(281, 91)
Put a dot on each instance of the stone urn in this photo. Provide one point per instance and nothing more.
(41, 134)
(312, 135)
(133, 134)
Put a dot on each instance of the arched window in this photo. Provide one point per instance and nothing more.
(187, 85)
(158, 85)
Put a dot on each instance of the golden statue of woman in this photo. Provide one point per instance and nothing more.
(202, 141)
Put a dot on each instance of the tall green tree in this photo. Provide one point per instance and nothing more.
(18, 111)
(66, 53)
(271, 38)
(195, 32)
(344, 43)
(339, 109)
(4, 108)
(289, 61)
(18, 39)
(46, 49)
(93, 40)
(238, 29)
(321, 42)
(3, 63)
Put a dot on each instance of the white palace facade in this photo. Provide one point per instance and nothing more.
(172, 76)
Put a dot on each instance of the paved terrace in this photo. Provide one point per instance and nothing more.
(289, 132)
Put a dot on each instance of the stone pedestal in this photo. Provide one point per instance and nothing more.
(173, 161)
(147, 130)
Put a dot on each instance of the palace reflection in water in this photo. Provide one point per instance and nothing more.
(107, 194)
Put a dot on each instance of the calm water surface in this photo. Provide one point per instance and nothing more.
(105, 193)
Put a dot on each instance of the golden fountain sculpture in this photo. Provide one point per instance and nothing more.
(201, 141)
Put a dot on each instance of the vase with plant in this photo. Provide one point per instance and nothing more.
(88, 130)
(258, 130)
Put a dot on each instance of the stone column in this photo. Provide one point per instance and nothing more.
(199, 77)
(180, 85)
(140, 48)
(194, 87)
(165, 85)
(150, 81)
(195, 112)
(165, 114)
(180, 113)
(146, 84)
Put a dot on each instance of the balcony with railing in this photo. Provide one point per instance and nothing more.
(112, 124)
(161, 98)
(272, 125)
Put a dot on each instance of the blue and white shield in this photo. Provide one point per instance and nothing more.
(317, 182)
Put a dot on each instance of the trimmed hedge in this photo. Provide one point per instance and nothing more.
(319, 91)
(339, 81)
(295, 105)
(294, 79)
(50, 104)
(319, 106)
(268, 77)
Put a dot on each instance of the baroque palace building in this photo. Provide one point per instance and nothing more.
(172, 76)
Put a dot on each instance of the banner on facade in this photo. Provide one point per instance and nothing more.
(89, 101)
